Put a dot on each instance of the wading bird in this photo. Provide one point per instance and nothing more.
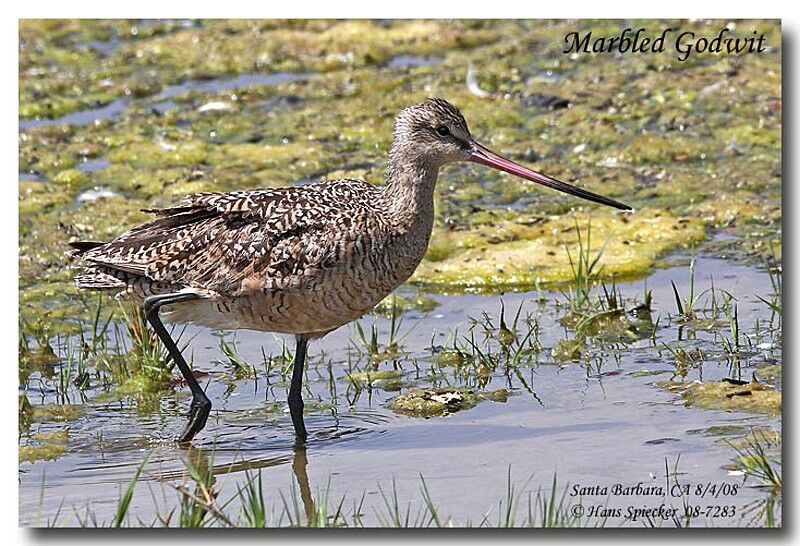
(301, 260)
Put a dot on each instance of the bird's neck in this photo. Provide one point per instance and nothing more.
(408, 195)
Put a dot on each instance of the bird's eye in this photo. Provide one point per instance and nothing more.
(443, 131)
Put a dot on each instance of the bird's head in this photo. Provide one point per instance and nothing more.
(435, 133)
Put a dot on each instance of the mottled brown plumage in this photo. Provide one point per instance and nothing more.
(300, 260)
(303, 260)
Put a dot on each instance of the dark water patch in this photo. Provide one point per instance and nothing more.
(181, 23)
(282, 101)
(218, 85)
(115, 108)
(411, 61)
(31, 177)
(92, 165)
(659, 441)
(109, 111)
(104, 47)
(544, 100)
(160, 107)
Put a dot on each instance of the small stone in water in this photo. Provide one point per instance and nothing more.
(447, 397)
(95, 193)
(215, 106)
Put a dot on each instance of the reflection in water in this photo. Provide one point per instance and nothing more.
(201, 461)
(299, 465)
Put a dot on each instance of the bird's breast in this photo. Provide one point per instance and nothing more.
(355, 276)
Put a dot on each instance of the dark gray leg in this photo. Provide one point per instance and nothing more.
(295, 390)
(201, 405)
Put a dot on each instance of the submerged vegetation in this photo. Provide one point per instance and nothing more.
(121, 115)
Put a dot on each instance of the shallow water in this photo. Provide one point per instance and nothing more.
(592, 423)
(111, 110)
(115, 109)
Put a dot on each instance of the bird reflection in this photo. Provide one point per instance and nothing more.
(201, 461)
(299, 468)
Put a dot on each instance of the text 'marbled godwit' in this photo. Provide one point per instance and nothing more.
(300, 260)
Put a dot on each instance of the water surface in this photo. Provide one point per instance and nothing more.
(595, 423)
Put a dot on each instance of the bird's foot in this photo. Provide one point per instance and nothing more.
(198, 414)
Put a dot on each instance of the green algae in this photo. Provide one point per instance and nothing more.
(39, 358)
(499, 395)
(142, 383)
(24, 413)
(770, 372)
(388, 380)
(730, 433)
(762, 435)
(36, 196)
(613, 326)
(442, 401)
(142, 63)
(436, 402)
(263, 415)
(505, 336)
(605, 326)
(71, 178)
(56, 413)
(312, 406)
(721, 395)
(47, 446)
(455, 358)
(513, 254)
(569, 349)
(144, 154)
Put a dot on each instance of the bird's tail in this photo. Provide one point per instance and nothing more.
(95, 279)
(82, 246)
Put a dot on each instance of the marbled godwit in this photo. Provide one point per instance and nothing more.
(297, 260)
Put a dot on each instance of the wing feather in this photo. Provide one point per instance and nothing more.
(216, 241)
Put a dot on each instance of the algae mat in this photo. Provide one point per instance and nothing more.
(121, 115)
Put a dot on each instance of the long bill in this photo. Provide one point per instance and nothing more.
(484, 156)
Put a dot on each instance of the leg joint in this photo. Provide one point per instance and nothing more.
(152, 304)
